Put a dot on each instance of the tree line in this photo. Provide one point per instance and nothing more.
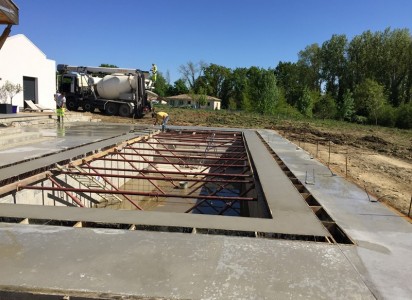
(367, 80)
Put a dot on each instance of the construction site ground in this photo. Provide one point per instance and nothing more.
(375, 158)
(367, 258)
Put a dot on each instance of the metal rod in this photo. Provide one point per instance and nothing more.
(155, 185)
(346, 174)
(181, 150)
(153, 177)
(197, 137)
(74, 198)
(172, 172)
(410, 205)
(112, 185)
(329, 157)
(180, 157)
(154, 167)
(191, 144)
(149, 194)
(166, 163)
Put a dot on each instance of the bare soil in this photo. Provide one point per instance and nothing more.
(382, 165)
(375, 158)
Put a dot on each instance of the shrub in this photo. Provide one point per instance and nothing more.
(386, 116)
(404, 116)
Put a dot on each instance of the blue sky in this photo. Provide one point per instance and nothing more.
(232, 33)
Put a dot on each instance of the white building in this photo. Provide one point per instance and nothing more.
(193, 101)
(21, 62)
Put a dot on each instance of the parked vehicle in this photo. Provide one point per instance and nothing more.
(114, 91)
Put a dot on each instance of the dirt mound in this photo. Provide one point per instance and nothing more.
(374, 139)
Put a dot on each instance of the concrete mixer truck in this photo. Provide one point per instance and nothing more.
(114, 91)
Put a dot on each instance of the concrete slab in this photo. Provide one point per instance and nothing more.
(173, 265)
(383, 238)
(284, 200)
(65, 143)
(199, 266)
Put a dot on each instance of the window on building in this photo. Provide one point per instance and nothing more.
(180, 102)
(172, 102)
(208, 104)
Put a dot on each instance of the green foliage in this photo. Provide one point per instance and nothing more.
(325, 108)
(287, 75)
(161, 86)
(202, 98)
(178, 88)
(404, 116)
(333, 64)
(232, 104)
(364, 79)
(387, 116)
(108, 66)
(305, 103)
(369, 99)
(286, 111)
(346, 108)
(266, 93)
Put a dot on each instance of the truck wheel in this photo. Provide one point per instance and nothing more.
(111, 109)
(88, 106)
(124, 110)
(72, 104)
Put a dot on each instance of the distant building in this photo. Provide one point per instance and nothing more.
(22, 62)
(186, 100)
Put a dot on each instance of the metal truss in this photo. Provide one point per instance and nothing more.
(206, 172)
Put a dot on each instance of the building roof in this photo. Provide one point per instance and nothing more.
(192, 97)
(24, 39)
(9, 12)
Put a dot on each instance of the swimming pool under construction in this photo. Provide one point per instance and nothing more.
(191, 213)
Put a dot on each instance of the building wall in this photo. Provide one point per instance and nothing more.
(19, 58)
(211, 104)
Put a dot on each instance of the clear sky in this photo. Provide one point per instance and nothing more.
(231, 33)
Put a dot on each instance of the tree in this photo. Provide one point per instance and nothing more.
(191, 71)
(178, 88)
(305, 103)
(10, 90)
(369, 99)
(310, 64)
(238, 90)
(346, 107)
(214, 79)
(268, 93)
(288, 78)
(108, 66)
(325, 108)
(404, 116)
(161, 86)
(333, 64)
